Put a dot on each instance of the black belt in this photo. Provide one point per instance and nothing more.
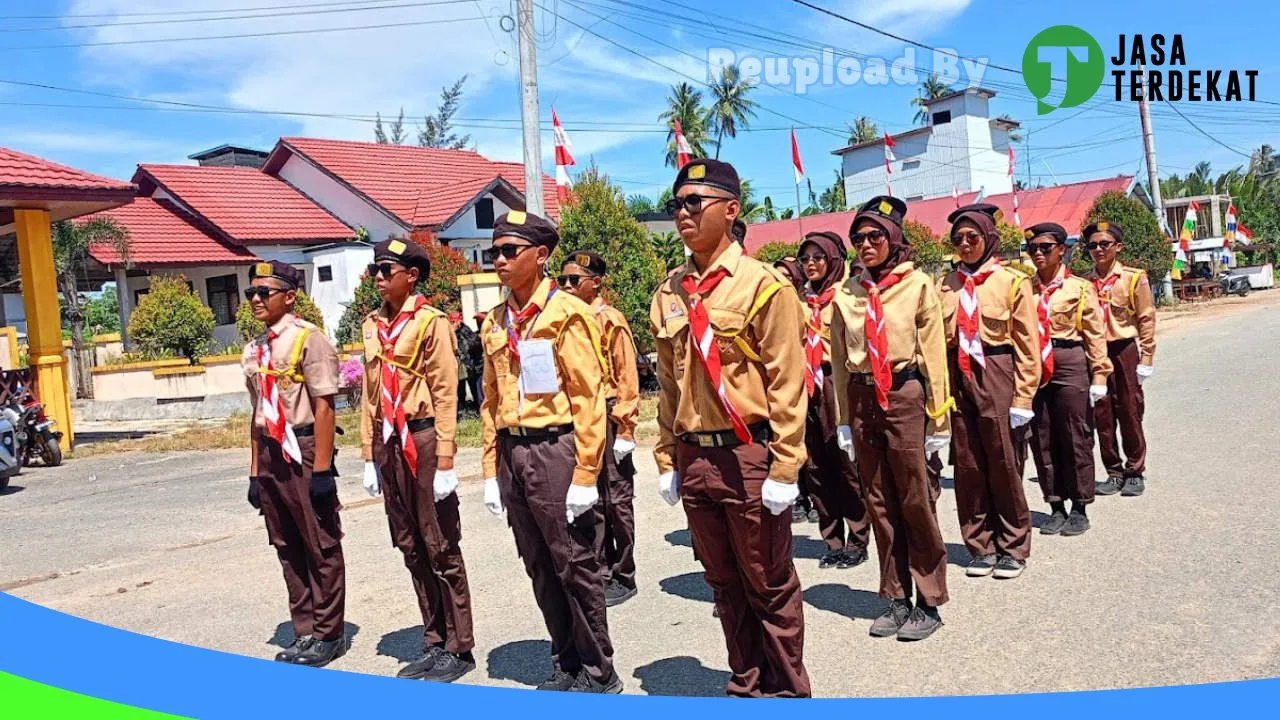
(760, 432)
(1062, 344)
(304, 430)
(1120, 344)
(551, 431)
(989, 350)
(826, 369)
(898, 378)
(421, 424)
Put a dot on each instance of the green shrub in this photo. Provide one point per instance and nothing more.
(171, 318)
(1145, 246)
(775, 251)
(440, 288)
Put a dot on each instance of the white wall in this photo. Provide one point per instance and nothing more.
(339, 200)
(332, 297)
(465, 237)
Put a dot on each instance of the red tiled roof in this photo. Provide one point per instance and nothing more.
(28, 171)
(1066, 205)
(420, 186)
(245, 203)
(160, 234)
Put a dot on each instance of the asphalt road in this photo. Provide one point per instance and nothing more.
(1178, 586)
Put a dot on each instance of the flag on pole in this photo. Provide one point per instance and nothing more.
(1014, 189)
(1230, 236)
(563, 158)
(982, 193)
(888, 159)
(795, 158)
(955, 194)
(1189, 226)
(684, 153)
(1244, 234)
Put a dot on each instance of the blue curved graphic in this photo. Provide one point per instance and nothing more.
(66, 652)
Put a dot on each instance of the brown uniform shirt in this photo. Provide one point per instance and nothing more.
(915, 334)
(770, 390)
(1133, 309)
(318, 366)
(824, 331)
(1074, 315)
(619, 349)
(1007, 305)
(427, 367)
(568, 323)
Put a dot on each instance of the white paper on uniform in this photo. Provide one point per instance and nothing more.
(538, 368)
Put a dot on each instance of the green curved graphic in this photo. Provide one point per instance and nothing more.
(22, 698)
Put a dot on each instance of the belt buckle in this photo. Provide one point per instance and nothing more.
(516, 431)
(706, 440)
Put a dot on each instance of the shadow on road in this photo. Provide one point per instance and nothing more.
(1038, 518)
(679, 538)
(11, 489)
(683, 676)
(404, 645)
(691, 586)
(957, 555)
(527, 662)
(947, 482)
(846, 601)
(807, 548)
(284, 634)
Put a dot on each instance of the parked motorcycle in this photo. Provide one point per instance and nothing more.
(10, 452)
(35, 436)
(1234, 284)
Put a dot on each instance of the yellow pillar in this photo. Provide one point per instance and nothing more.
(44, 325)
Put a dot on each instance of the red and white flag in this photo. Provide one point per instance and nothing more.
(888, 160)
(795, 158)
(684, 153)
(563, 158)
(1014, 189)
(955, 194)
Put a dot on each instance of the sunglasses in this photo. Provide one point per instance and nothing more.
(970, 237)
(262, 293)
(814, 257)
(386, 270)
(1038, 248)
(509, 251)
(1104, 244)
(692, 202)
(568, 281)
(875, 237)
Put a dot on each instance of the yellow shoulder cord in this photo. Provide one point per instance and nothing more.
(945, 408)
(761, 300)
(295, 357)
(606, 340)
(417, 347)
(1013, 295)
(1133, 289)
(1084, 295)
(950, 403)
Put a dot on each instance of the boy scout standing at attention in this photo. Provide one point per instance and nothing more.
(543, 423)
(292, 375)
(731, 429)
(1129, 312)
(407, 423)
(581, 276)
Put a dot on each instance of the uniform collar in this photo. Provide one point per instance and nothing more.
(539, 296)
(899, 269)
(1116, 269)
(987, 266)
(598, 304)
(1062, 270)
(283, 324)
(729, 260)
(409, 305)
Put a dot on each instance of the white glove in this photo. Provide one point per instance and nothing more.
(1144, 372)
(844, 438)
(1096, 393)
(778, 496)
(1019, 417)
(580, 499)
(371, 478)
(622, 448)
(934, 444)
(669, 487)
(492, 496)
(445, 484)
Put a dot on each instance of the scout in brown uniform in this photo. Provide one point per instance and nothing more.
(1129, 313)
(1073, 350)
(544, 428)
(829, 474)
(889, 357)
(292, 375)
(731, 429)
(994, 359)
(407, 421)
(581, 276)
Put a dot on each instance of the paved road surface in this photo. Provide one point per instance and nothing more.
(1178, 586)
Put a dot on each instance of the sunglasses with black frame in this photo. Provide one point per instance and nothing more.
(261, 292)
(692, 202)
(1095, 244)
(385, 269)
(508, 251)
(568, 281)
(1045, 247)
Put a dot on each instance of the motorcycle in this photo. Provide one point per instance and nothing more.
(36, 437)
(1234, 284)
(10, 450)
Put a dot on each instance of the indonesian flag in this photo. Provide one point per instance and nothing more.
(888, 159)
(563, 158)
(1230, 235)
(795, 158)
(955, 194)
(1244, 234)
(1016, 220)
(684, 153)
(1189, 226)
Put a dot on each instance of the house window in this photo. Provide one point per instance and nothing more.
(911, 165)
(484, 214)
(942, 118)
(222, 292)
(325, 272)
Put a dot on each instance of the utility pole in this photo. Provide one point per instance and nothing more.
(1153, 174)
(529, 116)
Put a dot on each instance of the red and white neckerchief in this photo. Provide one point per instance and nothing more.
(394, 421)
(968, 335)
(877, 339)
(1103, 286)
(813, 376)
(271, 405)
(517, 318)
(1042, 314)
(705, 342)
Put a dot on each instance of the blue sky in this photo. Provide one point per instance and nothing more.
(608, 83)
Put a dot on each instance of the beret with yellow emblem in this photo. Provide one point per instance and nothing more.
(284, 272)
(1104, 226)
(991, 211)
(1054, 230)
(879, 209)
(588, 261)
(713, 173)
(537, 230)
(404, 252)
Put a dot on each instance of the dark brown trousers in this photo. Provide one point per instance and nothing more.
(831, 479)
(994, 518)
(1124, 406)
(889, 446)
(560, 557)
(616, 533)
(429, 535)
(1062, 430)
(307, 537)
(745, 551)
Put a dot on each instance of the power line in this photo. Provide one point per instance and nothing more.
(1202, 132)
(163, 13)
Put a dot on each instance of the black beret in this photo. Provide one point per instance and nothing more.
(1058, 232)
(739, 231)
(284, 272)
(521, 224)
(588, 261)
(705, 171)
(405, 252)
(1105, 226)
(994, 212)
(881, 206)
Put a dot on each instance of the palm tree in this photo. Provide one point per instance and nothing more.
(640, 205)
(1198, 182)
(1263, 160)
(862, 129)
(72, 242)
(752, 211)
(931, 89)
(685, 104)
(731, 109)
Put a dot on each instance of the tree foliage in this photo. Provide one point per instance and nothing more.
(862, 129)
(931, 89)
(170, 319)
(249, 328)
(1145, 246)
(440, 287)
(72, 242)
(669, 249)
(364, 300)
(685, 104)
(640, 205)
(731, 105)
(928, 251)
(775, 251)
(397, 136)
(437, 130)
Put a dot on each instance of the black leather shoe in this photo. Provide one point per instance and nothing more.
(1054, 524)
(894, 617)
(853, 557)
(560, 681)
(450, 667)
(290, 654)
(1133, 486)
(418, 669)
(981, 566)
(1077, 524)
(615, 593)
(1110, 486)
(584, 683)
(1008, 568)
(830, 559)
(322, 652)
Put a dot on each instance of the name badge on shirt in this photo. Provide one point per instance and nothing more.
(538, 368)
